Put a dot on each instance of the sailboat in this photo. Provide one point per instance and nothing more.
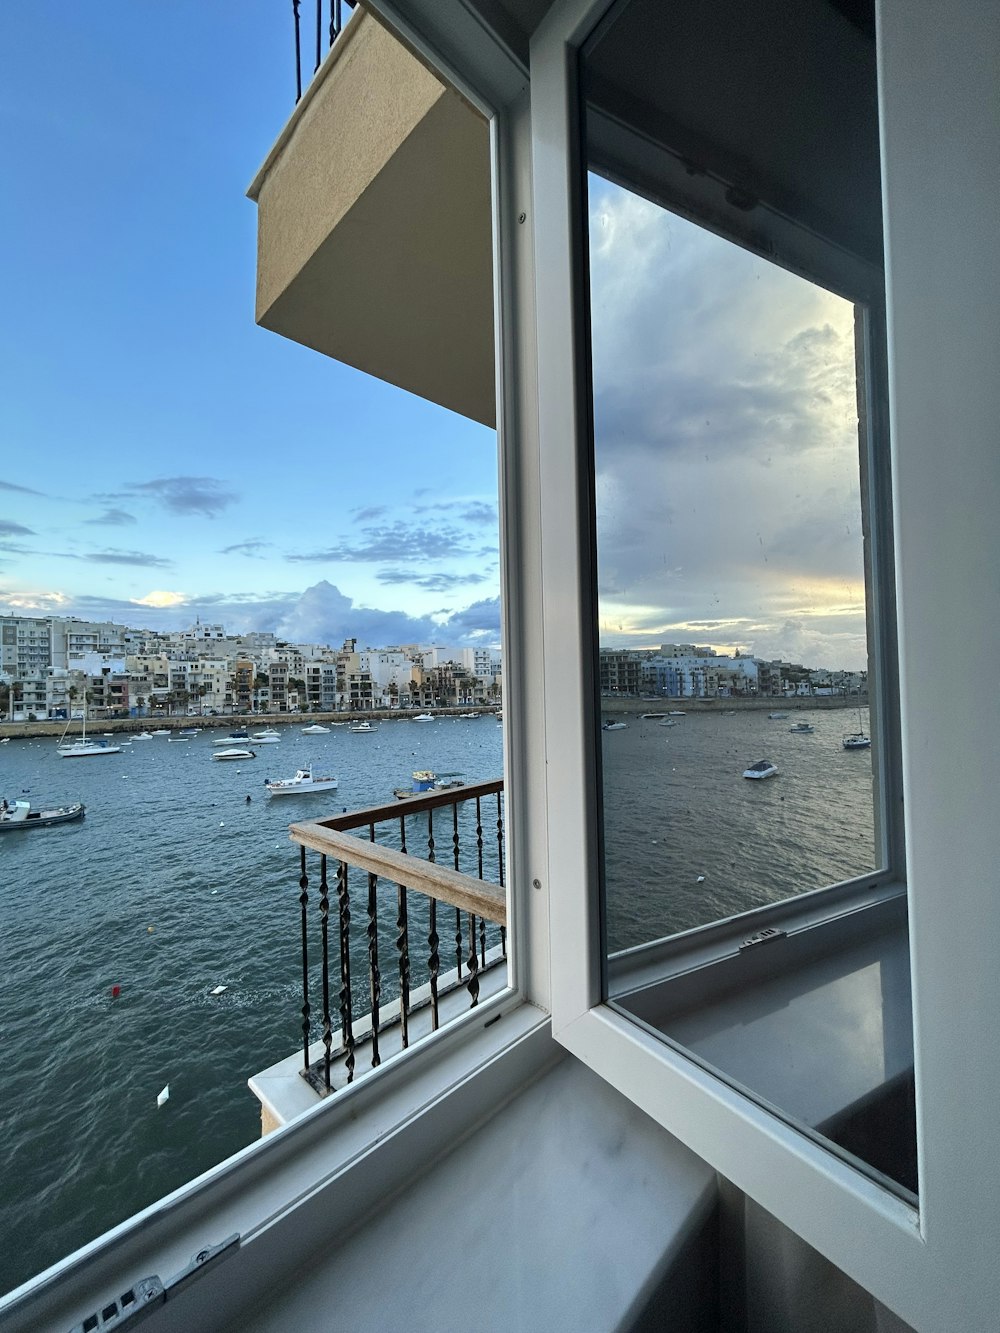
(857, 740)
(82, 748)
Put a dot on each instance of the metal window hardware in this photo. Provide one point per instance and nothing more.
(143, 1297)
(762, 937)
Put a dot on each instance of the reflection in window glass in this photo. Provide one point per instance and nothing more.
(732, 616)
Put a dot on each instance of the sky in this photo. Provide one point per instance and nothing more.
(164, 457)
(726, 443)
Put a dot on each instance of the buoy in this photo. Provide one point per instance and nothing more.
(218, 990)
(149, 930)
(164, 1096)
(222, 823)
(115, 992)
(249, 798)
(701, 879)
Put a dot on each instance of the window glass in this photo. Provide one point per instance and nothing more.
(743, 608)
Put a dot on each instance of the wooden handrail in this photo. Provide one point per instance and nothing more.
(427, 877)
(410, 805)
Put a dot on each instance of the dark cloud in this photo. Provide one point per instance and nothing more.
(186, 495)
(429, 582)
(113, 518)
(11, 529)
(250, 548)
(114, 557)
(469, 511)
(477, 623)
(21, 490)
(394, 541)
(725, 439)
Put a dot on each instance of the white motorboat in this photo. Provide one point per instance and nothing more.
(315, 730)
(83, 749)
(266, 737)
(143, 736)
(302, 783)
(361, 728)
(763, 768)
(777, 717)
(242, 736)
(163, 731)
(613, 726)
(423, 717)
(802, 729)
(234, 753)
(15, 815)
(677, 712)
(667, 722)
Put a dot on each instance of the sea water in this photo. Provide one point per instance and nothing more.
(174, 884)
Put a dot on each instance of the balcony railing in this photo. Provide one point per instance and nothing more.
(441, 852)
(328, 27)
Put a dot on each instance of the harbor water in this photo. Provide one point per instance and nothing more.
(174, 884)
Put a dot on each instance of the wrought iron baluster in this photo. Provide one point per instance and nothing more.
(403, 946)
(473, 982)
(335, 20)
(346, 1001)
(304, 903)
(402, 834)
(374, 975)
(298, 51)
(434, 962)
(324, 913)
(482, 938)
(454, 833)
(319, 34)
(458, 910)
(503, 929)
(430, 835)
(479, 834)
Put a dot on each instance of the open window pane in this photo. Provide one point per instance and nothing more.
(749, 802)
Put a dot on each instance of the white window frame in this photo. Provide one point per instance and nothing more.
(924, 1263)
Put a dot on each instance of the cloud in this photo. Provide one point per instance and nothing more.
(116, 557)
(161, 599)
(21, 490)
(393, 542)
(371, 511)
(323, 614)
(726, 443)
(186, 495)
(113, 518)
(11, 529)
(429, 582)
(253, 548)
(469, 511)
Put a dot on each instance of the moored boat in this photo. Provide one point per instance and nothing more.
(234, 753)
(426, 780)
(361, 728)
(15, 815)
(856, 740)
(266, 737)
(423, 717)
(613, 726)
(802, 729)
(83, 749)
(303, 782)
(315, 730)
(763, 768)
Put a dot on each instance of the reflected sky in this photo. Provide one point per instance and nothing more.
(726, 436)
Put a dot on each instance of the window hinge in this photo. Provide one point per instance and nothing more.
(142, 1298)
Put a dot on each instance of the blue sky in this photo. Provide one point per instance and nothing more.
(161, 450)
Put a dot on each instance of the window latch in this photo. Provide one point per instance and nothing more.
(762, 937)
(142, 1298)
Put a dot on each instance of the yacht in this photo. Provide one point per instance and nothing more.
(235, 752)
(361, 728)
(423, 717)
(84, 748)
(763, 768)
(315, 729)
(266, 737)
